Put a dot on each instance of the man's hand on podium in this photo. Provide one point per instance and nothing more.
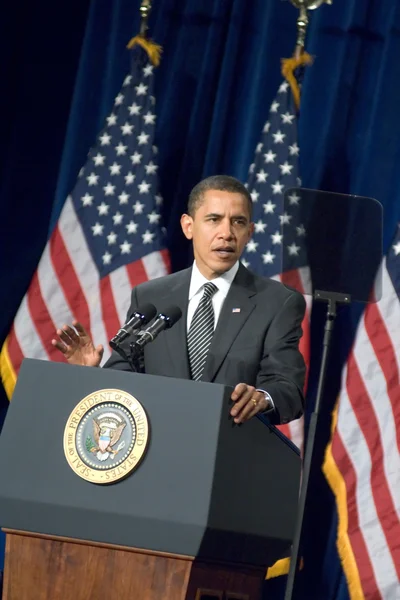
(77, 347)
(248, 402)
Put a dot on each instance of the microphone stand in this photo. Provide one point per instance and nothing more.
(333, 299)
(132, 358)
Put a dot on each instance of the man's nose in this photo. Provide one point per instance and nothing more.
(226, 230)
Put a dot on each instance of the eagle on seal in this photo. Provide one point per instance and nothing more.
(106, 435)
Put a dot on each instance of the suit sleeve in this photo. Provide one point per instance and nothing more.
(282, 368)
(116, 361)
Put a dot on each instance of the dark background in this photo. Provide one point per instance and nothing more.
(62, 65)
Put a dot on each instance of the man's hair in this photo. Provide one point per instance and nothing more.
(222, 183)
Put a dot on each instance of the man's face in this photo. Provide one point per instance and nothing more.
(220, 229)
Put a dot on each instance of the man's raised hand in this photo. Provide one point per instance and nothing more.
(77, 347)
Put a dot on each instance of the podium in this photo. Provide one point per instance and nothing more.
(209, 507)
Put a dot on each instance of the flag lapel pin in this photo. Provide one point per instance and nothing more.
(236, 310)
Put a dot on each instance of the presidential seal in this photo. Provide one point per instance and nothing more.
(106, 436)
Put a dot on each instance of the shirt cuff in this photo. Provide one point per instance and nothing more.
(271, 406)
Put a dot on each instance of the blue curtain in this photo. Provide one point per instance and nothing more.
(220, 69)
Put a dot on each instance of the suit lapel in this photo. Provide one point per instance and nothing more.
(176, 337)
(230, 322)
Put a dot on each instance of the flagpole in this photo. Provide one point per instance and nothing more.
(145, 9)
(153, 50)
(332, 300)
(302, 22)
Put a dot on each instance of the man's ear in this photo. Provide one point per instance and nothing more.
(187, 226)
(251, 230)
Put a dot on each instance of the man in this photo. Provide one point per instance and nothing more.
(237, 328)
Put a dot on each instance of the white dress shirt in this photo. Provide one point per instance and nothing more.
(196, 290)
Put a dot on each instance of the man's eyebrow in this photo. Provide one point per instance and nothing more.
(209, 215)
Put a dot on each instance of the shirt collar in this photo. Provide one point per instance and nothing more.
(223, 282)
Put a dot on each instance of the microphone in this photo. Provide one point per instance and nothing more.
(140, 317)
(165, 320)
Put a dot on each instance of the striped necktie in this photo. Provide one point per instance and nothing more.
(201, 331)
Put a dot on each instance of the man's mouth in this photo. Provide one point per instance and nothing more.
(224, 251)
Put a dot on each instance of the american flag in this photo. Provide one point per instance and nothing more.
(108, 238)
(275, 169)
(362, 462)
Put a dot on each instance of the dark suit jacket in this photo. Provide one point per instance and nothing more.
(257, 346)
